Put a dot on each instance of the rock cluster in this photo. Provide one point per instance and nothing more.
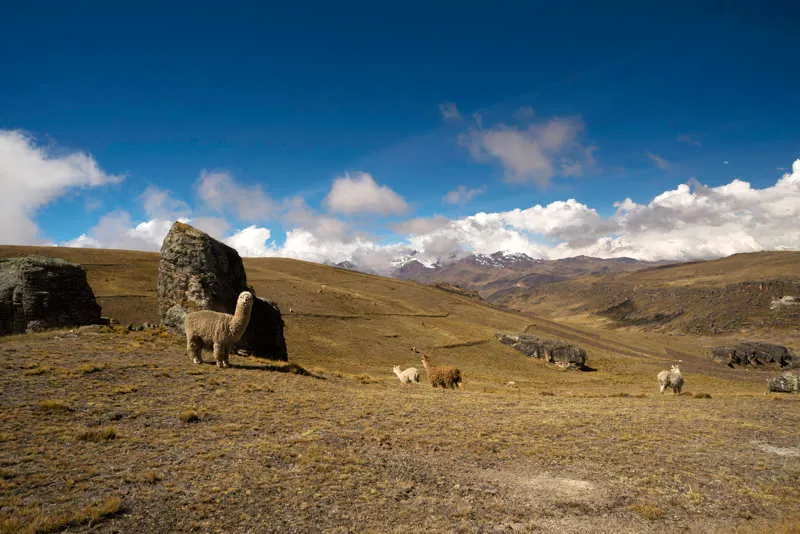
(752, 353)
(553, 352)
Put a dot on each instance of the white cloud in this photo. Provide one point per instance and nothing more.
(252, 242)
(449, 112)
(116, 230)
(222, 193)
(658, 161)
(462, 195)
(359, 193)
(31, 177)
(158, 203)
(535, 153)
(690, 221)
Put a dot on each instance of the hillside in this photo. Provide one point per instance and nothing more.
(501, 272)
(737, 294)
(110, 430)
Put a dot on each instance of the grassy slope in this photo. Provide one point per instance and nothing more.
(353, 449)
(730, 295)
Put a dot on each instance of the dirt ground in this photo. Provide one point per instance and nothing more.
(109, 431)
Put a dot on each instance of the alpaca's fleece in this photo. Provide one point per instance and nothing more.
(445, 377)
(670, 378)
(408, 376)
(215, 330)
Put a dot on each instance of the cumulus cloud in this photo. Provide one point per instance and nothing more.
(462, 195)
(534, 153)
(359, 193)
(222, 193)
(691, 221)
(158, 203)
(252, 241)
(658, 161)
(449, 111)
(31, 176)
(117, 230)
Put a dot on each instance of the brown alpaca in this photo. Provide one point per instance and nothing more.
(210, 329)
(440, 376)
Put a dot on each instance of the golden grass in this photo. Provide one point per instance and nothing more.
(332, 442)
(40, 522)
(97, 434)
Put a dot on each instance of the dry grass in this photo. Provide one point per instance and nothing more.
(332, 442)
(97, 434)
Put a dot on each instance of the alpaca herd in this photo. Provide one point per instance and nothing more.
(219, 331)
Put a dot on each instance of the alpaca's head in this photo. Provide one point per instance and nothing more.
(396, 369)
(245, 300)
(425, 360)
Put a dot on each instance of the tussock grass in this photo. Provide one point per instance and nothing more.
(189, 416)
(54, 406)
(88, 368)
(97, 434)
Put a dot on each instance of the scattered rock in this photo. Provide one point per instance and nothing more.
(197, 272)
(786, 382)
(37, 293)
(753, 353)
(557, 353)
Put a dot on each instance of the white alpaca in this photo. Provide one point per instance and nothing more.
(409, 375)
(671, 378)
(215, 330)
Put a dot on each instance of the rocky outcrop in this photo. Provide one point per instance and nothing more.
(38, 293)
(754, 354)
(197, 272)
(553, 352)
(787, 382)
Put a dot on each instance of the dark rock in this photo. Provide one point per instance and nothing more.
(553, 352)
(264, 334)
(37, 293)
(787, 382)
(197, 272)
(753, 353)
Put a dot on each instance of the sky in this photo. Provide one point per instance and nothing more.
(376, 133)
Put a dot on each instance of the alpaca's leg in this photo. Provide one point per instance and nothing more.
(219, 354)
(194, 346)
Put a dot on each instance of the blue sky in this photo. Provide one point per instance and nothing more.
(337, 131)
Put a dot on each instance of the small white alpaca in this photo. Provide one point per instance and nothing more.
(671, 378)
(408, 376)
(217, 331)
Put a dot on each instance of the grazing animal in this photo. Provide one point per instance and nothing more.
(408, 376)
(671, 378)
(440, 376)
(215, 330)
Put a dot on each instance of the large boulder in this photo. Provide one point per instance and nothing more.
(38, 293)
(197, 272)
(553, 352)
(753, 353)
